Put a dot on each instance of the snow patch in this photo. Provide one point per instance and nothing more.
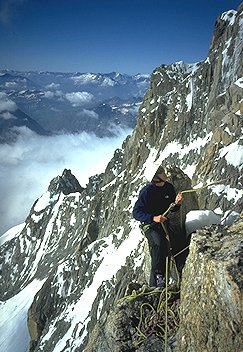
(229, 16)
(11, 233)
(13, 324)
(42, 202)
(175, 147)
(233, 154)
(189, 97)
(73, 220)
(78, 313)
(190, 170)
(239, 82)
(230, 193)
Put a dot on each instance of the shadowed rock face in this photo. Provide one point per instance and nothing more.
(212, 292)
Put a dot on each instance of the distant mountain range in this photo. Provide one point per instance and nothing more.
(69, 102)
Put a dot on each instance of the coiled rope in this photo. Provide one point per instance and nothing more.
(161, 318)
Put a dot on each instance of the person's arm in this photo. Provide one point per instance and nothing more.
(139, 209)
(178, 199)
(159, 218)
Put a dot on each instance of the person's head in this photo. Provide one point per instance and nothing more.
(153, 171)
(159, 176)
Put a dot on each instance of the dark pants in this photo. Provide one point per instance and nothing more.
(158, 252)
(159, 249)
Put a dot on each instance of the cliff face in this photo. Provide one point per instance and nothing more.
(81, 247)
(191, 116)
(211, 299)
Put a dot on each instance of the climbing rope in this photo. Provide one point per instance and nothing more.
(203, 187)
(172, 205)
(166, 304)
(158, 314)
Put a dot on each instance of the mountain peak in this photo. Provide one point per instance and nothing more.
(66, 183)
(229, 16)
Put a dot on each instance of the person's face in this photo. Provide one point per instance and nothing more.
(162, 176)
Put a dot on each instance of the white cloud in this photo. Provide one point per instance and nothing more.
(49, 94)
(6, 103)
(7, 116)
(28, 166)
(11, 85)
(79, 98)
(53, 86)
(91, 114)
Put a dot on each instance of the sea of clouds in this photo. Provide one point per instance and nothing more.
(28, 166)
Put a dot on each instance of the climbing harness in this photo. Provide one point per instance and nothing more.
(145, 227)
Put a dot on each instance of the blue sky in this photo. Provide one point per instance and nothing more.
(126, 36)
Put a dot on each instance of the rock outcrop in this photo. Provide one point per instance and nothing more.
(210, 303)
(211, 299)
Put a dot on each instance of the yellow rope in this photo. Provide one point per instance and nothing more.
(150, 316)
(203, 187)
(166, 304)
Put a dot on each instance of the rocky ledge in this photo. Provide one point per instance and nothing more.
(210, 303)
(211, 298)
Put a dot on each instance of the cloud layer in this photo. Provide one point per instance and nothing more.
(79, 98)
(28, 166)
(6, 104)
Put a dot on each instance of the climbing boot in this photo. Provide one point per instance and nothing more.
(160, 280)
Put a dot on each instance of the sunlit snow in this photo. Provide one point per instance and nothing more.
(78, 314)
(239, 82)
(14, 336)
(233, 154)
(11, 233)
(229, 16)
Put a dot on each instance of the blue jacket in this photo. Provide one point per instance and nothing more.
(153, 200)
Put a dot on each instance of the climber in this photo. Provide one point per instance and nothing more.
(154, 199)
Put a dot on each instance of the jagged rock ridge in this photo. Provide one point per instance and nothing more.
(81, 246)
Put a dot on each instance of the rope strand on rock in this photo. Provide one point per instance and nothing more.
(203, 187)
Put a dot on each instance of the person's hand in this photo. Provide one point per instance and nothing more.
(159, 218)
(178, 198)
